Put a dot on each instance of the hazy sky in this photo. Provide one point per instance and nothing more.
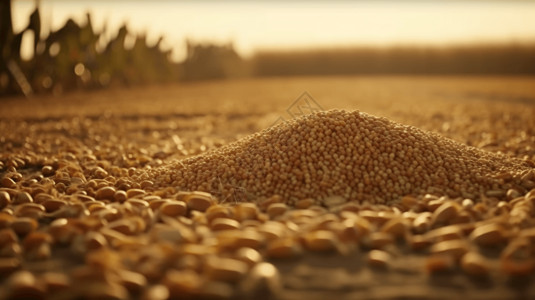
(297, 24)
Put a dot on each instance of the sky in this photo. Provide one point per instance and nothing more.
(254, 25)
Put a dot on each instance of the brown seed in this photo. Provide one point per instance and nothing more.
(197, 217)
(224, 224)
(321, 241)
(248, 255)
(23, 226)
(225, 269)
(132, 193)
(379, 259)
(199, 201)
(418, 242)
(364, 227)
(47, 171)
(35, 239)
(124, 226)
(439, 263)
(100, 172)
(323, 221)
(85, 198)
(95, 240)
(304, 203)
(146, 184)
(276, 209)
(377, 240)
(8, 183)
(42, 197)
(183, 228)
(455, 248)
(52, 205)
(422, 222)
(156, 292)
(120, 196)
(512, 194)
(346, 230)
(432, 205)
(155, 204)
(463, 217)
(132, 281)
(245, 211)
(272, 230)
(467, 203)
(251, 224)
(217, 211)
(409, 202)
(12, 249)
(267, 202)
(96, 206)
(152, 197)
(23, 197)
(377, 218)
(303, 216)
(283, 248)
(234, 239)
(262, 281)
(489, 234)
(23, 284)
(174, 208)
(5, 199)
(445, 212)
(475, 264)
(6, 219)
(61, 231)
(138, 203)
(395, 227)
(106, 192)
(30, 210)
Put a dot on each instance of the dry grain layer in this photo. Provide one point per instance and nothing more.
(344, 153)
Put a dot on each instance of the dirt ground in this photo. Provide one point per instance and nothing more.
(164, 123)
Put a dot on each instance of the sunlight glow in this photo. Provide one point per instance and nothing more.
(296, 24)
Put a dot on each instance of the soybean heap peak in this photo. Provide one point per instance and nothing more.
(348, 154)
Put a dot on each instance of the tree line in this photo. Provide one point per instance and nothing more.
(478, 59)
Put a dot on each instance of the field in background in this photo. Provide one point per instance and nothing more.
(471, 110)
(476, 59)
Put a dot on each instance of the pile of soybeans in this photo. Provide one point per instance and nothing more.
(327, 204)
(335, 155)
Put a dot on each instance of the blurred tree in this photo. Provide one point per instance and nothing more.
(211, 62)
(6, 34)
(12, 78)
